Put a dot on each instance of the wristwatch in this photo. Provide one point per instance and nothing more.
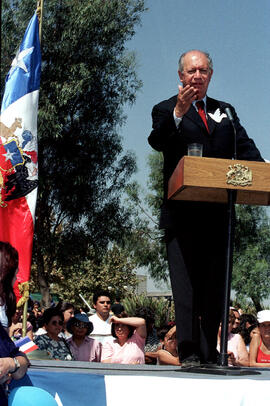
(17, 365)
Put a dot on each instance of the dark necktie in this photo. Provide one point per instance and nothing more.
(200, 107)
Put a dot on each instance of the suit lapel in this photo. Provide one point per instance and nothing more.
(211, 124)
(211, 106)
(193, 115)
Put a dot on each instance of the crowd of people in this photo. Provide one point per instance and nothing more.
(64, 333)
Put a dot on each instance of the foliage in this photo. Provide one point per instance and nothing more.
(87, 76)
(114, 273)
(246, 305)
(155, 182)
(145, 242)
(162, 309)
(251, 274)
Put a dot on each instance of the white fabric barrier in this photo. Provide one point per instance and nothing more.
(186, 391)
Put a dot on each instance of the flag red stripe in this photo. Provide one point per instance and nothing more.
(17, 228)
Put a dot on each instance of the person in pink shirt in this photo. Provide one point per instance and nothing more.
(237, 352)
(83, 347)
(128, 345)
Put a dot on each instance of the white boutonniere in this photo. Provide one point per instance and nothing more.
(217, 115)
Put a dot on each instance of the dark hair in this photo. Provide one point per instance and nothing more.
(50, 313)
(130, 328)
(40, 322)
(9, 261)
(244, 331)
(162, 331)
(65, 306)
(231, 316)
(247, 318)
(99, 293)
(146, 313)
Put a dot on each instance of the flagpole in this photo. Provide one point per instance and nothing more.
(24, 300)
(40, 16)
(24, 324)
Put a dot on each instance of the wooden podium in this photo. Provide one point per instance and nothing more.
(222, 181)
(205, 180)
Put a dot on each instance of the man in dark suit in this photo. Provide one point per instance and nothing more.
(196, 232)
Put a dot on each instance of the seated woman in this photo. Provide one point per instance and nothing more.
(237, 352)
(168, 354)
(56, 347)
(128, 345)
(83, 347)
(259, 353)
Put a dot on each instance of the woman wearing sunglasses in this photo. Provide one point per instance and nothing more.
(56, 347)
(83, 348)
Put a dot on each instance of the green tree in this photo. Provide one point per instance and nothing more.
(115, 272)
(251, 270)
(145, 242)
(87, 77)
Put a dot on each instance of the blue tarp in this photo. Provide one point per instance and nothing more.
(72, 388)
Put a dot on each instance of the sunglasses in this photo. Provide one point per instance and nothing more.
(55, 323)
(80, 324)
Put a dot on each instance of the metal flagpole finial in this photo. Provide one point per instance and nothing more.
(39, 9)
(40, 15)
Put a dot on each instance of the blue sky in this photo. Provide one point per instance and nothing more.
(234, 32)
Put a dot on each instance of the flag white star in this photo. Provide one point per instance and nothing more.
(18, 60)
(9, 155)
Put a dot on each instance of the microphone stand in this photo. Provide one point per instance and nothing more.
(232, 194)
(223, 361)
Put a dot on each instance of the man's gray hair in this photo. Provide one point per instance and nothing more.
(181, 59)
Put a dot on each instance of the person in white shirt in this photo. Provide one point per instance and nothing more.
(101, 319)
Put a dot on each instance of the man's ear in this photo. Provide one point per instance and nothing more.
(180, 76)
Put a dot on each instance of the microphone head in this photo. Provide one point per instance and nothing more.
(229, 113)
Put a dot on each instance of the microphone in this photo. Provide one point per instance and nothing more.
(230, 117)
(229, 114)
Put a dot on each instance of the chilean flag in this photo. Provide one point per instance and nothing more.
(26, 345)
(18, 150)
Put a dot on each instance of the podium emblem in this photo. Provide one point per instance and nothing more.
(239, 175)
